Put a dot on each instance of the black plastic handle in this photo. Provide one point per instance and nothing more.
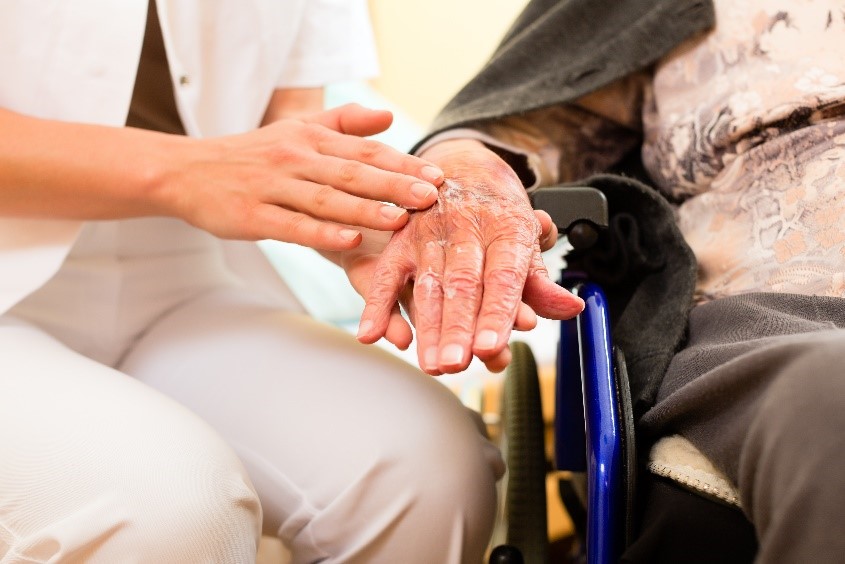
(577, 211)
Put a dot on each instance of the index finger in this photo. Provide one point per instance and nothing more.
(390, 276)
(370, 167)
(353, 119)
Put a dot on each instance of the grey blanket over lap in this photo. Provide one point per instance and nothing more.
(556, 52)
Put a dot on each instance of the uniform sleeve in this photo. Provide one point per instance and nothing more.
(334, 43)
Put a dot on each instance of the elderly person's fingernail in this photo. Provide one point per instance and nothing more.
(430, 358)
(452, 355)
(364, 328)
(486, 340)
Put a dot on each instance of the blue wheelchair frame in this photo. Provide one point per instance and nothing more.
(588, 426)
(593, 419)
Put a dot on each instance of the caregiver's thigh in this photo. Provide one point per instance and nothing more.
(97, 467)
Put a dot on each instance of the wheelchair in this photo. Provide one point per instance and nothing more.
(594, 433)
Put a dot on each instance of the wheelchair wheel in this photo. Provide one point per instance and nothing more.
(522, 420)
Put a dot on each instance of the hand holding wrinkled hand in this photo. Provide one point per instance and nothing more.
(310, 181)
(464, 267)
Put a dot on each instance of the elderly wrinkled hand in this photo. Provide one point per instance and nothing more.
(469, 269)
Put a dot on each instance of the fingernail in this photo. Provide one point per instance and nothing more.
(430, 358)
(432, 173)
(348, 234)
(364, 328)
(422, 191)
(486, 340)
(452, 354)
(392, 212)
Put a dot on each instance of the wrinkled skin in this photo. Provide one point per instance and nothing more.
(468, 270)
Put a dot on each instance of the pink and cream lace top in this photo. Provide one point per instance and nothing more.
(744, 127)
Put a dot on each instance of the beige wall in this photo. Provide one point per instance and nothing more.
(429, 48)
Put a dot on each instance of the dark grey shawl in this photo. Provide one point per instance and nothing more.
(556, 52)
(559, 50)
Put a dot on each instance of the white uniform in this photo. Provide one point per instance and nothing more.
(353, 454)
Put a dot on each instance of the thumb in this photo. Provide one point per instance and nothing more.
(353, 119)
(548, 230)
(549, 299)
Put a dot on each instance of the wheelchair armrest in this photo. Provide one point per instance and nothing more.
(577, 211)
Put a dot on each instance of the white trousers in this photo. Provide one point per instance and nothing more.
(351, 454)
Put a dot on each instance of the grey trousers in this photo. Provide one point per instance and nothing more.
(760, 389)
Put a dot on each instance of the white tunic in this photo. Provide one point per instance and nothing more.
(77, 61)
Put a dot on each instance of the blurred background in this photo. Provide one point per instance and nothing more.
(428, 50)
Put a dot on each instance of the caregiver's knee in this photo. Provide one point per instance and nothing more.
(190, 499)
(450, 472)
(426, 494)
(205, 511)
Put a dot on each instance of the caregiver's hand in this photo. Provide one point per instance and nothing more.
(295, 180)
(473, 258)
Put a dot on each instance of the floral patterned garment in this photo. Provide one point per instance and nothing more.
(747, 126)
(744, 126)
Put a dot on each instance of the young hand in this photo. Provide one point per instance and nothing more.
(303, 181)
